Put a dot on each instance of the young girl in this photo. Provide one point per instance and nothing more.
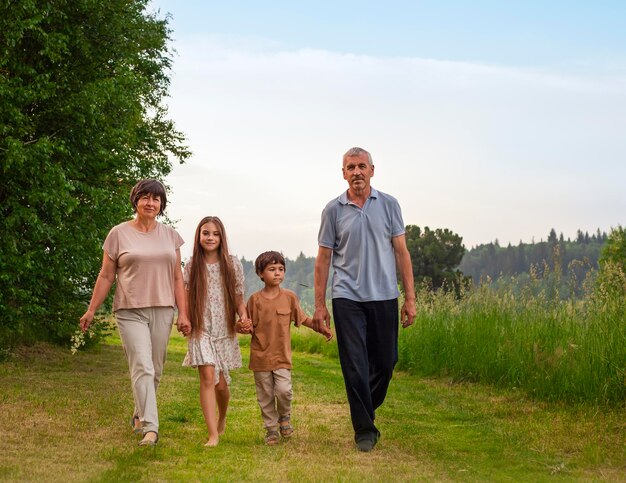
(214, 281)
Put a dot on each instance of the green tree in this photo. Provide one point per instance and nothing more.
(435, 254)
(82, 119)
(612, 278)
(614, 250)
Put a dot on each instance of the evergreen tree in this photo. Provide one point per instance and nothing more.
(552, 238)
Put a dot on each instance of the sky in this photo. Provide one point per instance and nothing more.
(494, 119)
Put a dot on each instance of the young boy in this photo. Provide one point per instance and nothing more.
(272, 309)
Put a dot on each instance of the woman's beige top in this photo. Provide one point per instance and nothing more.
(146, 263)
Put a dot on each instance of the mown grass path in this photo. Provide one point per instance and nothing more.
(66, 418)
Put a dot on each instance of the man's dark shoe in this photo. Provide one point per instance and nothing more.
(366, 445)
(367, 442)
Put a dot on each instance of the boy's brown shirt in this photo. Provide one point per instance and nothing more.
(270, 347)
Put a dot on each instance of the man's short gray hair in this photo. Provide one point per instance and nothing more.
(357, 152)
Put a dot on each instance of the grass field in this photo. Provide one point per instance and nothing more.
(66, 418)
(526, 336)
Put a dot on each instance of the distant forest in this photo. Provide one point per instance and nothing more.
(492, 260)
(487, 260)
(299, 277)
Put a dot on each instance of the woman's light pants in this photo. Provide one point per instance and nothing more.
(145, 333)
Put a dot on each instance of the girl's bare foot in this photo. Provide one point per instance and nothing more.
(212, 442)
(221, 426)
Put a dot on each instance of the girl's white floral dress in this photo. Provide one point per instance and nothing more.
(215, 347)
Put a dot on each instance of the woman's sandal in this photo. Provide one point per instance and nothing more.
(271, 438)
(286, 430)
(149, 441)
(136, 429)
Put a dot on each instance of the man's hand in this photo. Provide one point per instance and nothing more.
(326, 332)
(321, 320)
(408, 312)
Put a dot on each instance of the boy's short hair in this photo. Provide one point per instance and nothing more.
(267, 258)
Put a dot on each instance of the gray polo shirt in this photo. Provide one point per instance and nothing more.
(364, 264)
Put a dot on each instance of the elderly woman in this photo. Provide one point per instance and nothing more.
(143, 257)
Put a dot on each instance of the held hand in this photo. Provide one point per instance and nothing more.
(86, 320)
(407, 314)
(327, 333)
(183, 325)
(244, 326)
(321, 319)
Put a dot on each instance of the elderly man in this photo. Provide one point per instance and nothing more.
(362, 231)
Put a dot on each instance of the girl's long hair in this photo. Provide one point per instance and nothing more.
(198, 276)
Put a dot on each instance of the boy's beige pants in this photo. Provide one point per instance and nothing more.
(274, 393)
(145, 333)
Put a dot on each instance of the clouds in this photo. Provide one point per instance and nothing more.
(487, 151)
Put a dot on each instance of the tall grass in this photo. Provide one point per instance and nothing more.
(526, 335)
(306, 340)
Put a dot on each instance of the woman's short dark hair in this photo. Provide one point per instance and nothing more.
(267, 258)
(148, 187)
